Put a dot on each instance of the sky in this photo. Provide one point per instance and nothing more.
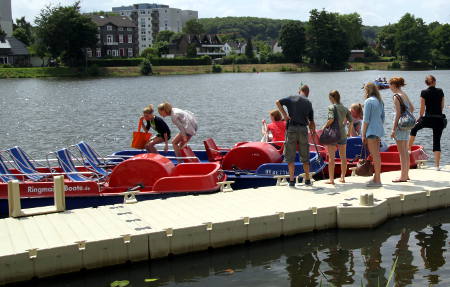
(378, 12)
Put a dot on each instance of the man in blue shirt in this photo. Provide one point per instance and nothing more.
(300, 115)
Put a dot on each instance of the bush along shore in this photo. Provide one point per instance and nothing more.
(134, 69)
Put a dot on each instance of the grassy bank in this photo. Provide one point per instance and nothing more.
(180, 70)
(38, 72)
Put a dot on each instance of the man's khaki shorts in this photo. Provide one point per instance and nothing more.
(296, 135)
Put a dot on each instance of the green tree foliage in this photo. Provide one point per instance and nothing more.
(23, 31)
(412, 38)
(249, 49)
(292, 41)
(146, 67)
(193, 26)
(441, 40)
(191, 51)
(386, 39)
(233, 28)
(2, 32)
(149, 52)
(164, 36)
(162, 48)
(352, 25)
(66, 32)
(327, 42)
(39, 49)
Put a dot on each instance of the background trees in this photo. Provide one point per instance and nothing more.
(292, 41)
(327, 43)
(66, 33)
(22, 30)
(411, 38)
(193, 26)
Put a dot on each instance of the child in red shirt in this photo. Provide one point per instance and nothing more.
(277, 128)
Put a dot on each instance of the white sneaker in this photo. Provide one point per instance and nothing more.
(437, 168)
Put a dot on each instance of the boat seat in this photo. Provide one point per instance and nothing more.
(4, 171)
(24, 163)
(188, 155)
(213, 152)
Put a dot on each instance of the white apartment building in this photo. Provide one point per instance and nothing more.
(152, 18)
(6, 21)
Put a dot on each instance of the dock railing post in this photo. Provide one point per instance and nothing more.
(15, 209)
(15, 206)
(60, 195)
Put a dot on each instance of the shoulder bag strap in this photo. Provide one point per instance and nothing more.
(402, 104)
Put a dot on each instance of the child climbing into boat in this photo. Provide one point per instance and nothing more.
(277, 128)
(150, 120)
(184, 120)
(357, 113)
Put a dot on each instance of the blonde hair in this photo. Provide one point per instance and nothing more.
(397, 82)
(148, 110)
(371, 90)
(358, 108)
(276, 115)
(166, 107)
(336, 96)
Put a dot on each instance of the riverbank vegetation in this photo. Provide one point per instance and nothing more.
(134, 71)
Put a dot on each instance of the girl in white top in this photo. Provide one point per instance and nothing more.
(184, 120)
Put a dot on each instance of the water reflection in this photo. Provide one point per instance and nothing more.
(338, 257)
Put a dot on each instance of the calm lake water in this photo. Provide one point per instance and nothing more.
(43, 115)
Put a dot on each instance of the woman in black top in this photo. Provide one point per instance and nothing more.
(431, 116)
(149, 120)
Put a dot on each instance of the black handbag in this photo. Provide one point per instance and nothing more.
(331, 135)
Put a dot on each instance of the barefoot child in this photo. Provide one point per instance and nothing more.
(157, 124)
(184, 120)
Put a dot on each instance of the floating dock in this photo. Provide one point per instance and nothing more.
(69, 241)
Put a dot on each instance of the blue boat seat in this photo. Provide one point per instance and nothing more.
(92, 159)
(4, 171)
(66, 163)
(24, 164)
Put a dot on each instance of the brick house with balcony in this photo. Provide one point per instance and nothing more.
(117, 37)
(206, 44)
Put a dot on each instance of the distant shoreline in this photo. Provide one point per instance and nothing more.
(62, 72)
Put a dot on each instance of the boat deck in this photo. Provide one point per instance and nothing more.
(89, 238)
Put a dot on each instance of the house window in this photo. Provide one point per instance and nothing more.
(109, 28)
(89, 52)
(115, 53)
(130, 52)
(144, 39)
(98, 52)
(120, 38)
(130, 29)
(3, 60)
(109, 39)
(120, 28)
(122, 52)
(143, 32)
(130, 38)
(142, 12)
(108, 52)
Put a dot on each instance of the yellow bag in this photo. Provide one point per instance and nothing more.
(140, 138)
